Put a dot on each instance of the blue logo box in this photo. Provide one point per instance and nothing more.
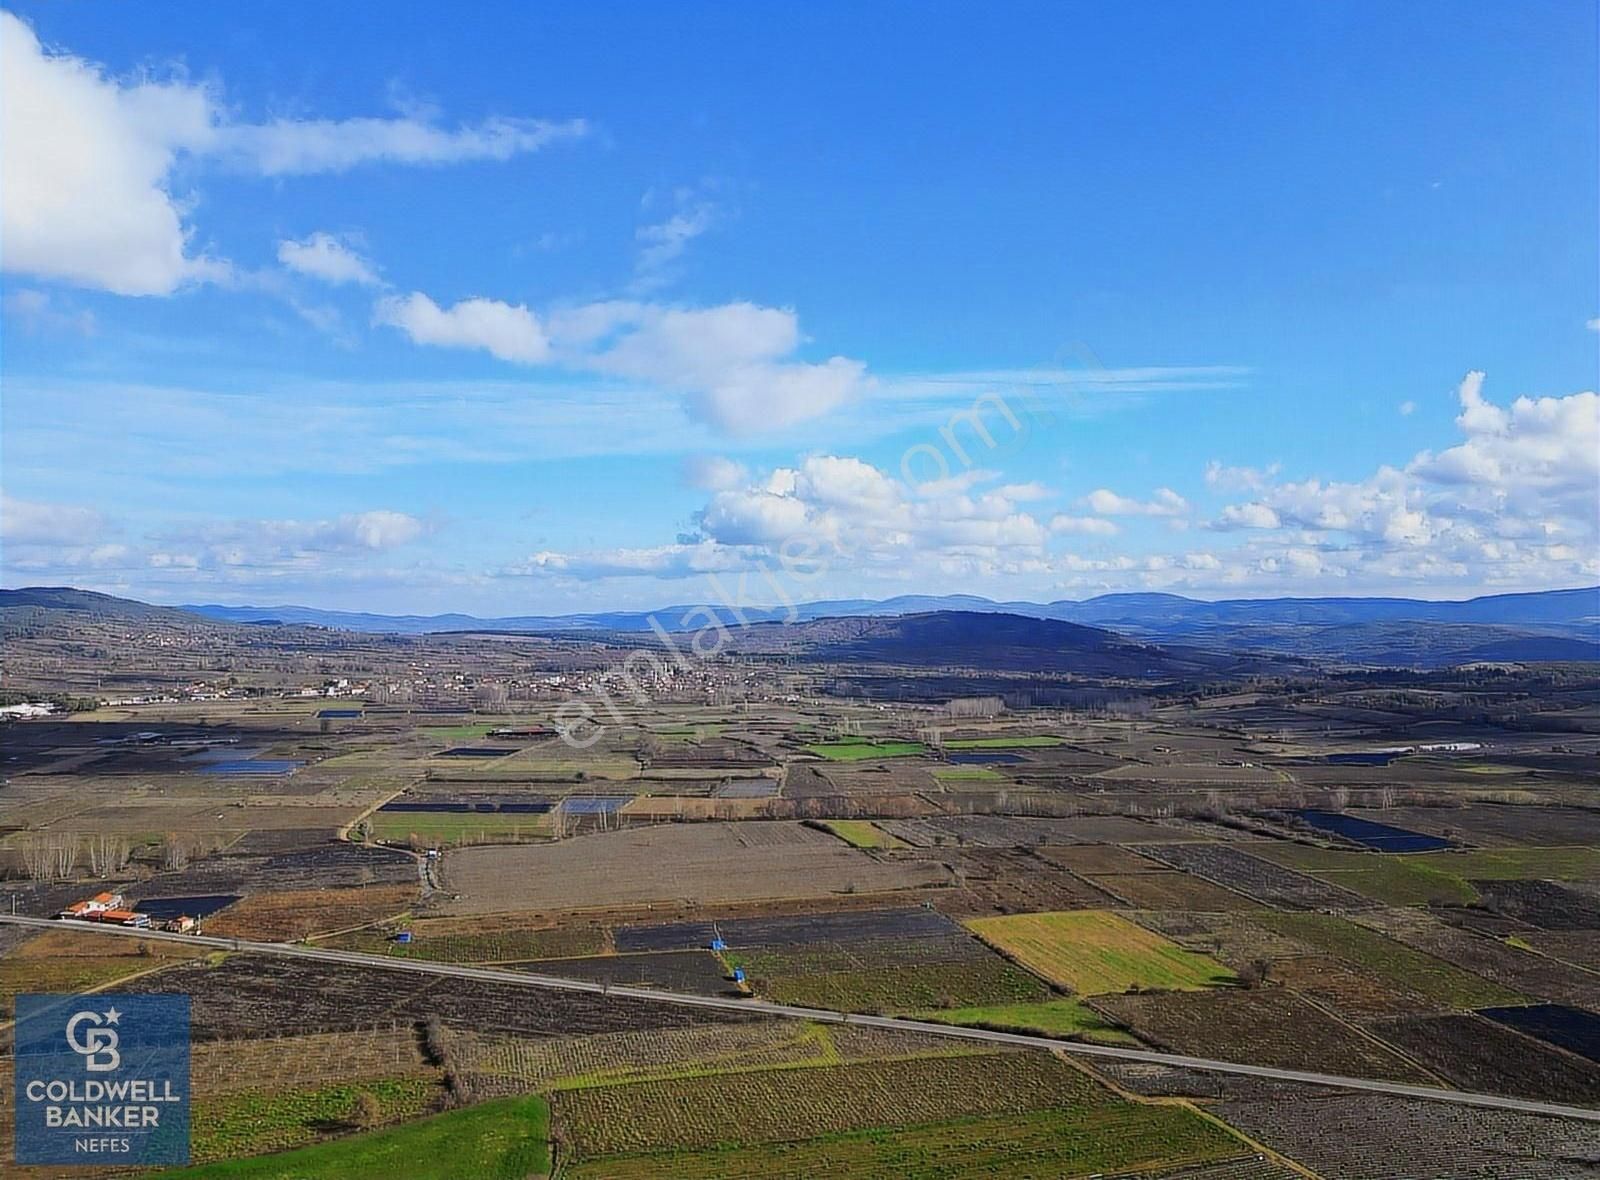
(102, 1079)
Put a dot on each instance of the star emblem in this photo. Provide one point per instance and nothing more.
(111, 1015)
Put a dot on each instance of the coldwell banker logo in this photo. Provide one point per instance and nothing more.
(102, 1079)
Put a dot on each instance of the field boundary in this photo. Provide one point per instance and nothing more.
(762, 1007)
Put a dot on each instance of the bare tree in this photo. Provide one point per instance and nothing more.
(107, 854)
(174, 852)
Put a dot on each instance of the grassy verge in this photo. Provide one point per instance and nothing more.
(508, 1139)
(1050, 1018)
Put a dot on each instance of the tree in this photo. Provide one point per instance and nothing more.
(1256, 973)
(174, 852)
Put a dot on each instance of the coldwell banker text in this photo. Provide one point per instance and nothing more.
(102, 1078)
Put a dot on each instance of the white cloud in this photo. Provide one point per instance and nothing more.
(664, 242)
(1091, 526)
(512, 333)
(1164, 502)
(84, 171)
(1407, 408)
(832, 510)
(713, 473)
(1249, 516)
(39, 314)
(287, 147)
(35, 522)
(734, 361)
(1239, 479)
(325, 257)
(87, 162)
(1593, 325)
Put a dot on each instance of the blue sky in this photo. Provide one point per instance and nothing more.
(561, 308)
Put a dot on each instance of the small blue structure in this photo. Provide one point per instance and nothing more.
(403, 936)
(738, 975)
(718, 945)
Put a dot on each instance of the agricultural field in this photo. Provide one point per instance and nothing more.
(1389, 880)
(1032, 742)
(1261, 1026)
(1014, 880)
(1060, 1016)
(1399, 966)
(1092, 952)
(1379, 1137)
(668, 1127)
(863, 751)
(1171, 891)
(246, 996)
(700, 862)
(497, 1140)
(293, 914)
(1076, 1142)
(447, 940)
(1472, 1053)
(860, 833)
(251, 1122)
(1063, 871)
(1268, 883)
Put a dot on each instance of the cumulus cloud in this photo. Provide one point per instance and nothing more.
(84, 166)
(1164, 502)
(323, 256)
(735, 362)
(1091, 526)
(835, 510)
(510, 332)
(1512, 504)
(87, 162)
(1249, 516)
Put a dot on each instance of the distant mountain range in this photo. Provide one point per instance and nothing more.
(1556, 625)
(1558, 611)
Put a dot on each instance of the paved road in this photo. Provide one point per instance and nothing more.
(762, 1007)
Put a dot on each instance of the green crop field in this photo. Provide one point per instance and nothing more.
(1004, 743)
(1092, 952)
(1384, 877)
(506, 1139)
(862, 750)
(67, 974)
(457, 733)
(441, 828)
(863, 833)
(1513, 864)
(1393, 962)
(1061, 1017)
